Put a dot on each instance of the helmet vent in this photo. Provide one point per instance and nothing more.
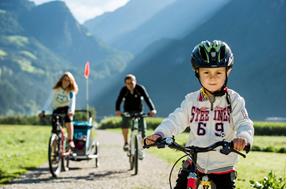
(222, 53)
(203, 53)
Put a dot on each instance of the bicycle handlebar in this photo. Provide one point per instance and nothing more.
(134, 114)
(227, 147)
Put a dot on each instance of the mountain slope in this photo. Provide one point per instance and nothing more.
(24, 64)
(39, 43)
(110, 25)
(174, 21)
(255, 31)
(53, 24)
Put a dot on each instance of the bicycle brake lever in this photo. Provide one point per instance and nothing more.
(243, 155)
(229, 148)
(247, 148)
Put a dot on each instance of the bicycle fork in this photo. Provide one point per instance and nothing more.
(136, 136)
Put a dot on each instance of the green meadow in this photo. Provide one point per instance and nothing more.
(21, 148)
(25, 147)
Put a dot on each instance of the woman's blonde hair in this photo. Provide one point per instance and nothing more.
(73, 85)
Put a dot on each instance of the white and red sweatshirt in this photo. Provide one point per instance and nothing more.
(209, 123)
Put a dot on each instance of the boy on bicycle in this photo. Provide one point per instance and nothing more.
(213, 113)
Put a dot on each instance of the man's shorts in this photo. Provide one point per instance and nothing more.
(127, 122)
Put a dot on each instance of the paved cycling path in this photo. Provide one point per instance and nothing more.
(113, 171)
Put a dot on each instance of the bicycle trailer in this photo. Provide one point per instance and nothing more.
(86, 145)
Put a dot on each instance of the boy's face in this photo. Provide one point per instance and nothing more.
(212, 78)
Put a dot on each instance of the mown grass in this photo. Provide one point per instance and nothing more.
(25, 147)
(21, 148)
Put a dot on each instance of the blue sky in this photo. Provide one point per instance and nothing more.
(86, 9)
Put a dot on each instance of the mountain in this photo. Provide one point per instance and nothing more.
(174, 21)
(24, 64)
(112, 24)
(54, 25)
(255, 30)
(39, 43)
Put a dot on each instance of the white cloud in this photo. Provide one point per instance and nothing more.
(86, 9)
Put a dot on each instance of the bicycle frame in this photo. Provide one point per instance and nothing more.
(133, 135)
(57, 147)
(135, 140)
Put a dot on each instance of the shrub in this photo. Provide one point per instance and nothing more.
(21, 120)
(270, 128)
(269, 182)
(282, 150)
(35, 120)
(110, 123)
(115, 122)
(268, 149)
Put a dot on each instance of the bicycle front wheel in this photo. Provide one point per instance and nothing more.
(131, 156)
(136, 155)
(54, 155)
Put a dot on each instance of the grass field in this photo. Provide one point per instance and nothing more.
(21, 148)
(25, 147)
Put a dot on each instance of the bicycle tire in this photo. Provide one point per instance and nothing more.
(54, 155)
(131, 157)
(136, 156)
(97, 153)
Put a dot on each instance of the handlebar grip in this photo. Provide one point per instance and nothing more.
(246, 148)
(158, 142)
(145, 144)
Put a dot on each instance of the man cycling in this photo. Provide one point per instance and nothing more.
(132, 94)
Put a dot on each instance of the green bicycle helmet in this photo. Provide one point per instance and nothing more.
(211, 55)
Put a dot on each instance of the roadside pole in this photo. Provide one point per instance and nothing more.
(86, 74)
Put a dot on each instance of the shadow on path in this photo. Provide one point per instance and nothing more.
(34, 177)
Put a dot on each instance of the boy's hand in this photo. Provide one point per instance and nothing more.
(239, 143)
(150, 140)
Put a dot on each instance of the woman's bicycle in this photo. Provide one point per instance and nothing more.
(135, 144)
(58, 150)
(193, 181)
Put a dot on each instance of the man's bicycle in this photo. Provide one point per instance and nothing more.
(58, 150)
(136, 136)
(193, 180)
